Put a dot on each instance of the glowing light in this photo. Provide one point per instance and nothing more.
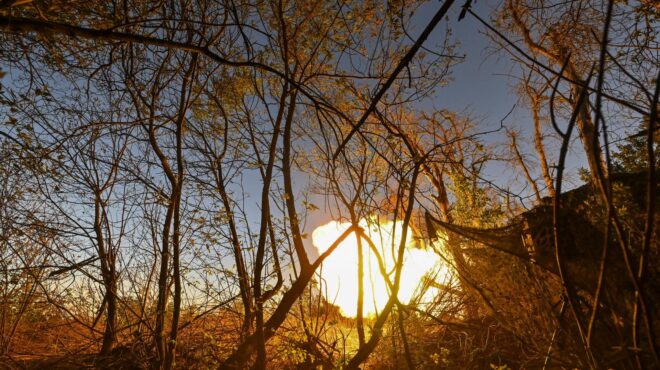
(339, 270)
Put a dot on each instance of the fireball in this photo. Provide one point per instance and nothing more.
(340, 269)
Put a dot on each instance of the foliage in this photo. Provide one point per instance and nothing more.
(163, 165)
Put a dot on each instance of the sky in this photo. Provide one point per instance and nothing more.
(483, 85)
(478, 83)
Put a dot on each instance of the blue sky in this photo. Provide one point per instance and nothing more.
(483, 85)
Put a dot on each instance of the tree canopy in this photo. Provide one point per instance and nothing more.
(166, 167)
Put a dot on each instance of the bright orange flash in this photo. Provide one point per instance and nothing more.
(340, 269)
